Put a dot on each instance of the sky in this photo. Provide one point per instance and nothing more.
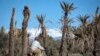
(49, 8)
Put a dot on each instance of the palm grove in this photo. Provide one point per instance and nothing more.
(85, 43)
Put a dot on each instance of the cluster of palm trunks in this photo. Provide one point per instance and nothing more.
(85, 43)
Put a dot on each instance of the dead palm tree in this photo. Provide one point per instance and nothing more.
(67, 8)
(26, 14)
(40, 19)
(11, 34)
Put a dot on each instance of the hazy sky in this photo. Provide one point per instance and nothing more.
(50, 8)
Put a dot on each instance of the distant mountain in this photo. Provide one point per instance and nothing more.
(57, 38)
(55, 33)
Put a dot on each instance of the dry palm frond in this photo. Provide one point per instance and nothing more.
(40, 19)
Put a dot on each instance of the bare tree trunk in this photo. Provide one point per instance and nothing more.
(11, 34)
(26, 14)
(44, 36)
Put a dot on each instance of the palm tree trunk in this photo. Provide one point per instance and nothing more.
(11, 35)
(61, 46)
(24, 31)
(62, 40)
(64, 31)
(44, 36)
